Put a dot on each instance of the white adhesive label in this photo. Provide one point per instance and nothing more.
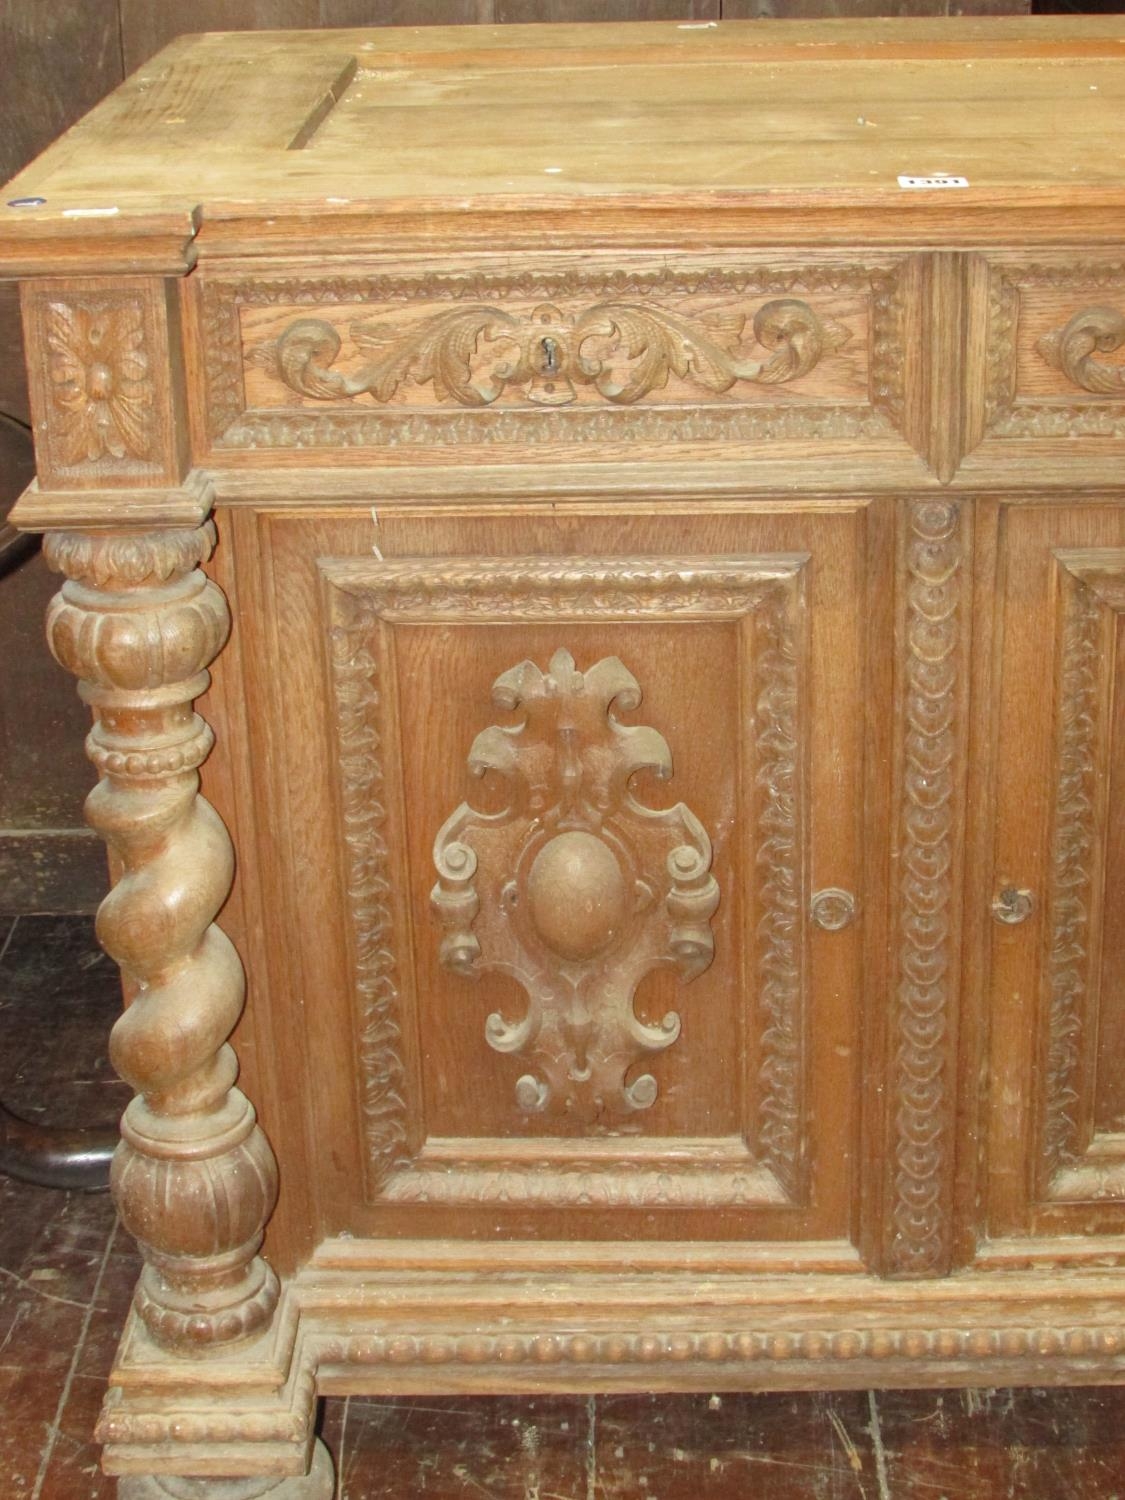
(938, 180)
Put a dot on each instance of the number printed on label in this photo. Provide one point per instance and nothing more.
(938, 180)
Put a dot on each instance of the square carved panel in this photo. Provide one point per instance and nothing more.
(730, 1127)
(1054, 365)
(1059, 884)
(626, 994)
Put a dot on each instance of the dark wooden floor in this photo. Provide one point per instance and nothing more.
(66, 1274)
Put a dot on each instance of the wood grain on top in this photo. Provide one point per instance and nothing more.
(331, 126)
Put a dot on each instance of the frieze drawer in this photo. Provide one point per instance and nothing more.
(1056, 341)
(668, 351)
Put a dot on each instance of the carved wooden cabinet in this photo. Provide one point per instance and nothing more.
(662, 781)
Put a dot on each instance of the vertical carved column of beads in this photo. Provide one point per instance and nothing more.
(194, 1177)
(931, 758)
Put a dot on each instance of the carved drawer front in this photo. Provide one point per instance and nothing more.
(585, 926)
(1058, 1118)
(663, 350)
(1056, 349)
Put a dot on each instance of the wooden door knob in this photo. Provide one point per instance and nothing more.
(1012, 905)
(832, 908)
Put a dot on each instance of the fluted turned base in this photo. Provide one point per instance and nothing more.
(204, 1285)
(318, 1484)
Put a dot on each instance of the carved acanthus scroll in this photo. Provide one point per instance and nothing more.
(575, 888)
(1093, 330)
(624, 350)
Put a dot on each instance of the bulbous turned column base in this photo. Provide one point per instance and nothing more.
(202, 1320)
(318, 1484)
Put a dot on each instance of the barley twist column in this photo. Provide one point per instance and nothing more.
(194, 1177)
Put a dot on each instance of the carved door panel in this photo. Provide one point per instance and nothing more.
(1057, 1091)
(575, 833)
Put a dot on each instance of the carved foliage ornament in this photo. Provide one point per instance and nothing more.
(1091, 331)
(1074, 874)
(100, 379)
(575, 888)
(624, 350)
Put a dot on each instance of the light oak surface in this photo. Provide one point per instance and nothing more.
(235, 128)
(669, 735)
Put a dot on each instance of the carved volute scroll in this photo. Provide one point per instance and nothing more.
(194, 1177)
(624, 350)
(1091, 331)
(575, 888)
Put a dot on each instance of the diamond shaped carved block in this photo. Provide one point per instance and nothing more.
(575, 888)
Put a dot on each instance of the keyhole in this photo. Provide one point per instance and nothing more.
(550, 361)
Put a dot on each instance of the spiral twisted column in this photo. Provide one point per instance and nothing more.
(138, 622)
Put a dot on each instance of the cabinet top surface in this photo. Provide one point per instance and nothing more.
(262, 127)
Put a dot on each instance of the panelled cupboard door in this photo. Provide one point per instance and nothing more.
(567, 821)
(1057, 1077)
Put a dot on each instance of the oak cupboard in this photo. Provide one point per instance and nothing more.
(640, 581)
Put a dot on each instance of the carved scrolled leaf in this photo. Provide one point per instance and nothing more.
(457, 864)
(1092, 331)
(624, 350)
(575, 888)
(441, 353)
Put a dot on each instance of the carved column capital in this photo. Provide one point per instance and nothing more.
(138, 622)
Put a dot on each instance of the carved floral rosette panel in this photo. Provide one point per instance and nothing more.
(1056, 349)
(575, 887)
(569, 353)
(99, 367)
(659, 867)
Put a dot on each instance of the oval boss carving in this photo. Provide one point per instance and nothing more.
(575, 888)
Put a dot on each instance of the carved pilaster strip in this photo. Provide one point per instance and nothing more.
(360, 732)
(931, 768)
(888, 344)
(1075, 874)
(1003, 326)
(194, 1178)
(991, 319)
(780, 899)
